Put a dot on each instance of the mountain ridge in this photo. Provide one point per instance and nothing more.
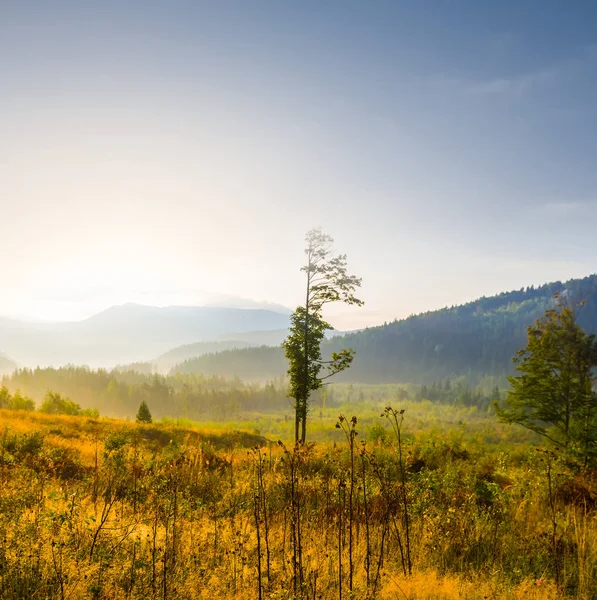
(478, 338)
(128, 333)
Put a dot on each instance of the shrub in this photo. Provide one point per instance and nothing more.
(55, 404)
(15, 401)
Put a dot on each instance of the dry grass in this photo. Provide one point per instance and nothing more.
(179, 522)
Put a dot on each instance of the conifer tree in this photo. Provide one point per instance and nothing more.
(143, 414)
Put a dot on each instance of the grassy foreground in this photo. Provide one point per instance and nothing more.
(99, 508)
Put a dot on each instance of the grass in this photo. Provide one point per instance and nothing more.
(105, 508)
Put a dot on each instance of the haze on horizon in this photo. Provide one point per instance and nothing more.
(173, 153)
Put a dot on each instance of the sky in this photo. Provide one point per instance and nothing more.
(177, 152)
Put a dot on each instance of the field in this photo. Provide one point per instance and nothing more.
(445, 504)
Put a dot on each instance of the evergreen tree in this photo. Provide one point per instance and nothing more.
(143, 414)
(554, 395)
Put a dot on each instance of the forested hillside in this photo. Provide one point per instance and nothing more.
(475, 339)
(249, 364)
(236, 341)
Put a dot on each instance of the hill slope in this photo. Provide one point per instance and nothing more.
(478, 338)
(233, 341)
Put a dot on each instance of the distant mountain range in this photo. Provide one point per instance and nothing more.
(132, 333)
(235, 341)
(475, 339)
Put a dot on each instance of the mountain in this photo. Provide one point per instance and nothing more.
(258, 338)
(173, 357)
(475, 339)
(129, 333)
(224, 301)
(232, 341)
(264, 363)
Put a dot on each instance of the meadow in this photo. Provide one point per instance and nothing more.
(436, 502)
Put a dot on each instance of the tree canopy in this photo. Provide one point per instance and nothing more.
(553, 394)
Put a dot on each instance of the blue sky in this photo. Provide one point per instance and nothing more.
(169, 152)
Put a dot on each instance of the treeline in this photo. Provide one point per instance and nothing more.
(475, 340)
(79, 390)
(119, 394)
(458, 393)
(452, 392)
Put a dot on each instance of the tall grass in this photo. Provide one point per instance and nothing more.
(98, 508)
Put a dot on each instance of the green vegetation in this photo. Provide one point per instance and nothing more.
(475, 340)
(15, 401)
(55, 404)
(212, 399)
(119, 393)
(143, 414)
(434, 499)
(554, 394)
(327, 281)
(446, 504)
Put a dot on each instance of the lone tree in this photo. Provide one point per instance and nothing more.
(327, 281)
(143, 414)
(554, 394)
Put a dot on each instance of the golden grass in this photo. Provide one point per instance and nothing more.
(215, 540)
(429, 585)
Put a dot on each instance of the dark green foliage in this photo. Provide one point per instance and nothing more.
(474, 340)
(553, 394)
(303, 351)
(143, 414)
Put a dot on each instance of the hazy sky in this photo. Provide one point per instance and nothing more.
(163, 152)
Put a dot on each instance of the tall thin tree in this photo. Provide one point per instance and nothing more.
(327, 281)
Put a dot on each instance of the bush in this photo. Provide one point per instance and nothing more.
(55, 404)
(22, 402)
(16, 401)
